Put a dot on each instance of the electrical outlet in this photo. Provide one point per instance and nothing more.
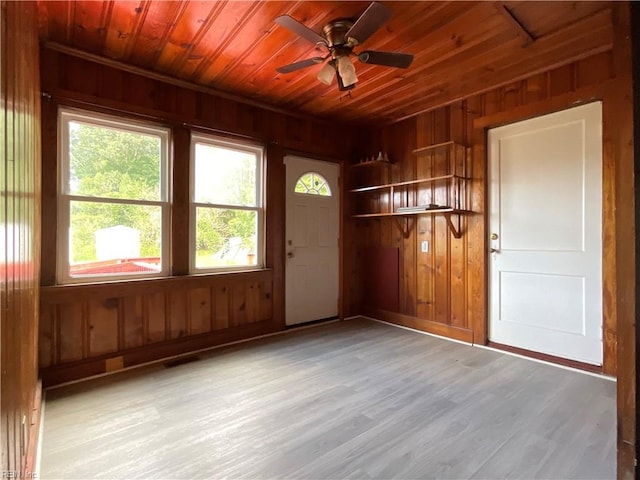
(425, 246)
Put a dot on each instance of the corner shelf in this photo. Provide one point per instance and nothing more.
(371, 162)
(409, 182)
(437, 146)
(455, 190)
(456, 230)
(431, 211)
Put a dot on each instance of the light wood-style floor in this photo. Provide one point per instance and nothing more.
(354, 399)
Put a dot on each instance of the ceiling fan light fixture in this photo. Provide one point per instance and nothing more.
(327, 73)
(347, 71)
(339, 37)
(342, 87)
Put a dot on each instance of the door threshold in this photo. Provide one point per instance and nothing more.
(587, 367)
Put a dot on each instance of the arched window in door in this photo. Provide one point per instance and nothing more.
(312, 183)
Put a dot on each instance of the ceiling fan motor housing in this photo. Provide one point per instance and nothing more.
(335, 33)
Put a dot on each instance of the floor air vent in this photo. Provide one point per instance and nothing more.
(181, 361)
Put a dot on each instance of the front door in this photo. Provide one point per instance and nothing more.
(312, 229)
(545, 223)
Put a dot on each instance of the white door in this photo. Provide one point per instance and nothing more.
(312, 229)
(545, 222)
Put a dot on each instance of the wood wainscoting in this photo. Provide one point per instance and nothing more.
(20, 237)
(92, 329)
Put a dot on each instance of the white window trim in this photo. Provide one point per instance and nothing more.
(66, 115)
(259, 209)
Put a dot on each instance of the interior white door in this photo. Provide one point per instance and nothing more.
(545, 222)
(312, 230)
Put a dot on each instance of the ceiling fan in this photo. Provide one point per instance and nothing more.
(340, 37)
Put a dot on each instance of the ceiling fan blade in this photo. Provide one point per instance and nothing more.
(371, 20)
(388, 59)
(299, 29)
(292, 67)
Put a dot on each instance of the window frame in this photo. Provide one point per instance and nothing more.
(67, 115)
(260, 208)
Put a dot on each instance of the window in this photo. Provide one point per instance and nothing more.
(227, 212)
(312, 183)
(114, 208)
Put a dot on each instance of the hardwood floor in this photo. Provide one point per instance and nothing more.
(354, 399)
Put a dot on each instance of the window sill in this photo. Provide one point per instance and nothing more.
(159, 283)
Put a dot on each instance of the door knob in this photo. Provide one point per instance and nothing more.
(494, 236)
(494, 250)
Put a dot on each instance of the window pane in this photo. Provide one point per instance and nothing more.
(105, 162)
(224, 176)
(114, 239)
(313, 183)
(226, 237)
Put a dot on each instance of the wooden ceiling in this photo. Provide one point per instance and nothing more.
(460, 48)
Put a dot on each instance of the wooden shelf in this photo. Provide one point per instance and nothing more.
(409, 182)
(436, 146)
(371, 162)
(456, 230)
(452, 184)
(408, 214)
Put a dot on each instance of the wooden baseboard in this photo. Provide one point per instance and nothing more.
(29, 468)
(547, 358)
(444, 330)
(72, 371)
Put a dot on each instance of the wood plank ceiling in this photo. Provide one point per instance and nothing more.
(460, 48)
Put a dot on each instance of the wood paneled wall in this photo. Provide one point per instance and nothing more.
(438, 289)
(629, 380)
(91, 329)
(444, 291)
(20, 236)
(619, 139)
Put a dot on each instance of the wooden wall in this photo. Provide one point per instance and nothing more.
(445, 291)
(629, 380)
(437, 290)
(91, 329)
(621, 144)
(20, 236)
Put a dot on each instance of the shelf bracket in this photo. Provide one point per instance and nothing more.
(407, 227)
(456, 232)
